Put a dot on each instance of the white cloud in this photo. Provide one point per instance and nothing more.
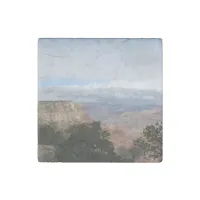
(115, 68)
(133, 63)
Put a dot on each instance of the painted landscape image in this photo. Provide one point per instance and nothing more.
(100, 100)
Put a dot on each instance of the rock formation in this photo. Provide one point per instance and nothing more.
(61, 113)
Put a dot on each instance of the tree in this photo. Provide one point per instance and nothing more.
(48, 136)
(87, 143)
(151, 142)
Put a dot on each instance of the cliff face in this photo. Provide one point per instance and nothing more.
(118, 136)
(61, 113)
(133, 123)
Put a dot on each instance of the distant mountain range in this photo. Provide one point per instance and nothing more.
(101, 95)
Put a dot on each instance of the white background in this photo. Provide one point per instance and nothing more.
(22, 23)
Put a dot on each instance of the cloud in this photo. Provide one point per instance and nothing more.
(88, 70)
(133, 63)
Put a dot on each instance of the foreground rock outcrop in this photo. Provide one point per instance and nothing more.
(62, 114)
(46, 153)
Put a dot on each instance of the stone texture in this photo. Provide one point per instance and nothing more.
(46, 153)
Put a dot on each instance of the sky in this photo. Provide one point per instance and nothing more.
(99, 63)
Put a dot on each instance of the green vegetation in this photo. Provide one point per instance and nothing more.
(48, 136)
(89, 143)
(150, 144)
(86, 143)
